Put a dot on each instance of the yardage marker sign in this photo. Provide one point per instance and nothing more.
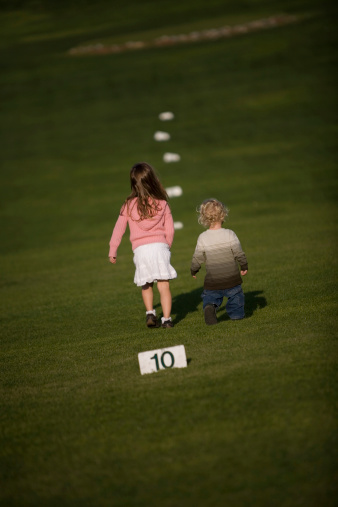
(162, 359)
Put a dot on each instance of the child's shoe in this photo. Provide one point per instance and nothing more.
(167, 323)
(210, 315)
(151, 320)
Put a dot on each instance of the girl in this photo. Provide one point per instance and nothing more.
(147, 212)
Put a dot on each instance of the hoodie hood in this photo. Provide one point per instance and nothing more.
(148, 223)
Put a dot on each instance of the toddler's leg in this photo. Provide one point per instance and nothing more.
(235, 303)
(165, 295)
(212, 299)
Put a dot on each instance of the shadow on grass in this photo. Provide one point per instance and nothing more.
(188, 303)
(254, 301)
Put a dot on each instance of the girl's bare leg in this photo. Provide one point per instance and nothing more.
(148, 296)
(165, 295)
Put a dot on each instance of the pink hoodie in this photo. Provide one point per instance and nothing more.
(159, 229)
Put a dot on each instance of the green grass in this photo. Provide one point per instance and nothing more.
(252, 419)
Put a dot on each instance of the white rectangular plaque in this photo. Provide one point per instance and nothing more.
(162, 359)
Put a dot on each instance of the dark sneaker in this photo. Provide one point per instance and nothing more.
(167, 323)
(151, 320)
(210, 315)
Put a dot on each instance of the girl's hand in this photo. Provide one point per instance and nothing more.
(243, 273)
(194, 276)
(112, 260)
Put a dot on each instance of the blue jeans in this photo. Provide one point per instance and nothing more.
(234, 305)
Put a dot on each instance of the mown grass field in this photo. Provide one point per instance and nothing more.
(252, 419)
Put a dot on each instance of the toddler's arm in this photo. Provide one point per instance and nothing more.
(238, 253)
(197, 260)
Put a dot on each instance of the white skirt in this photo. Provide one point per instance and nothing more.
(152, 263)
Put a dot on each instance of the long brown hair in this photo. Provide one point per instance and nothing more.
(146, 188)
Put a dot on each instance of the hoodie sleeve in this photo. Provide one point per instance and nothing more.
(169, 226)
(119, 230)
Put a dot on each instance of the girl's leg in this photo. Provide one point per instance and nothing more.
(165, 295)
(148, 296)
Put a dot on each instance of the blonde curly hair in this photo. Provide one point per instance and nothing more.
(211, 211)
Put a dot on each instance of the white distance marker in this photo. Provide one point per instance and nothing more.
(171, 157)
(162, 359)
(161, 136)
(174, 191)
(166, 116)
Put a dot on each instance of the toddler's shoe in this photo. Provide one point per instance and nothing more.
(167, 323)
(151, 320)
(210, 315)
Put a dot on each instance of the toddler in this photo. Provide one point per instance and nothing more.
(221, 252)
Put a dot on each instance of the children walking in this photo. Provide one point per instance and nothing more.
(221, 252)
(147, 212)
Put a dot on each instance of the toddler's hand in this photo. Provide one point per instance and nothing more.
(194, 276)
(243, 273)
(112, 260)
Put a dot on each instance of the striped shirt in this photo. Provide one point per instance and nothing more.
(221, 252)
